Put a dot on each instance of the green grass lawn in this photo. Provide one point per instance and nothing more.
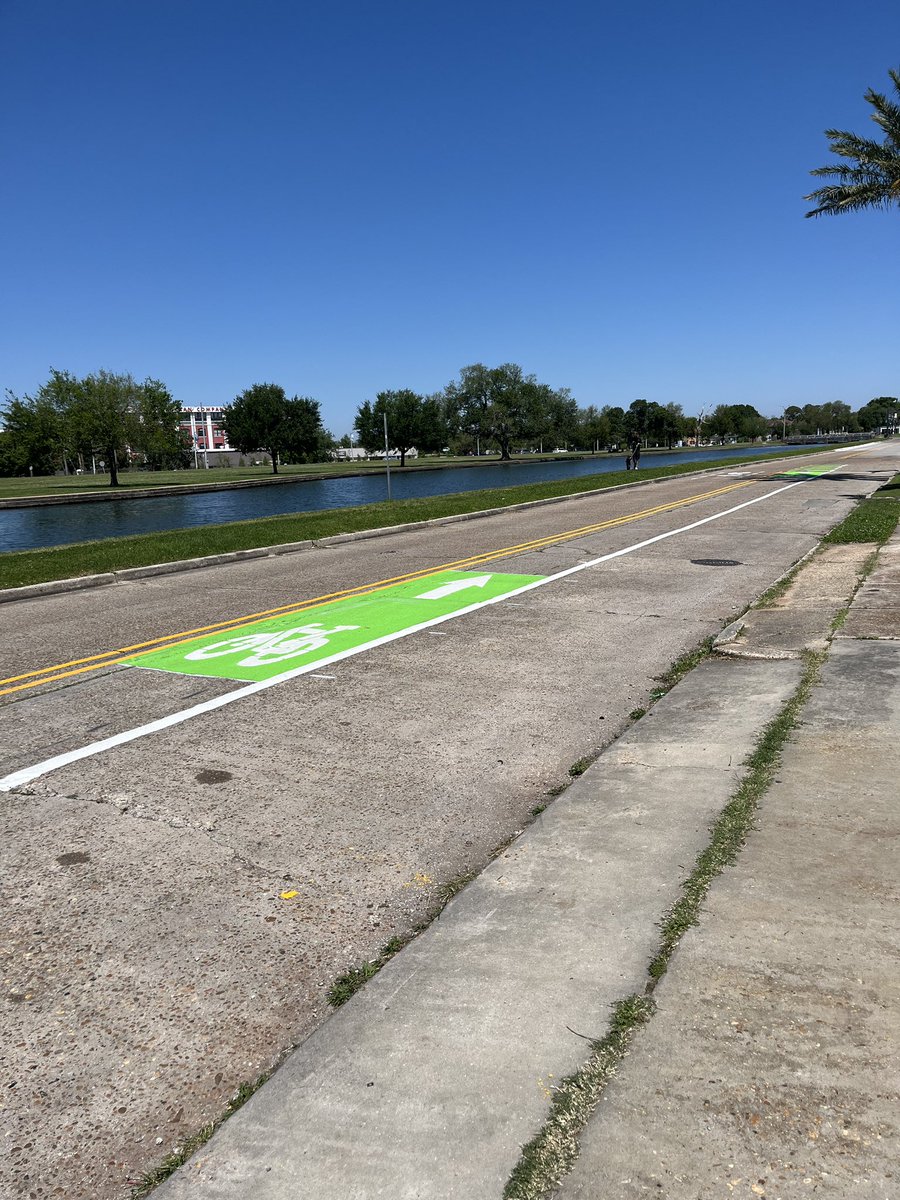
(18, 568)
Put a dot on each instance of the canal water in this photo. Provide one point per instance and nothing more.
(59, 524)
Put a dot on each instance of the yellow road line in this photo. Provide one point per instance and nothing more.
(110, 658)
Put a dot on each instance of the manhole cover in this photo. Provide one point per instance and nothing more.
(717, 562)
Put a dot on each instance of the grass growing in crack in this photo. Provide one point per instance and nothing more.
(637, 713)
(579, 767)
(179, 1157)
(780, 586)
(550, 1155)
(347, 985)
(735, 821)
(680, 667)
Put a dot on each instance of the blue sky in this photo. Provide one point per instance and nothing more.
(349, 197)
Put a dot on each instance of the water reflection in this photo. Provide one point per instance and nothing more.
(57, 524)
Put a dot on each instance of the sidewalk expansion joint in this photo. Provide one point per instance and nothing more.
(550, 1155)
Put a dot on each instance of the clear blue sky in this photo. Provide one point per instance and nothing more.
(348, 197)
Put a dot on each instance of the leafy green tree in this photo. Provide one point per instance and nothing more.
(263, 418)
(41, 438)
(615, 415)
(740, 421)
(32, 437)
(412, 420)
(104, 412)
(637, 421)
(878, 413)
(557, 412)
(593, 431)
(158, 437)
(673, 424)
(870, 175)
(500, 404)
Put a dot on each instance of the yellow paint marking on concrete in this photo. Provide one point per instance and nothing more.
(112, 658)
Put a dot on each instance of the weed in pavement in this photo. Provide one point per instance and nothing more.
(579, 767)
(350, 983)
(550, 1155)
(680, 667)
(178, 1157)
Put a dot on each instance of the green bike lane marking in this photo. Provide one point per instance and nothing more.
(268, 648)
(292, 670)
(813, 471)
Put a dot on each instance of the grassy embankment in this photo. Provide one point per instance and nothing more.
(18, 568)
(14, 488)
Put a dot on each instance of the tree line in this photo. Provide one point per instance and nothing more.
(104, 420)
(112, 421)
(500, 409)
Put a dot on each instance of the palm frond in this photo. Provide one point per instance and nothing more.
(873, 181)
(849, 198)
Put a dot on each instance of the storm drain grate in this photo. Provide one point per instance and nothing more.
(717, 562)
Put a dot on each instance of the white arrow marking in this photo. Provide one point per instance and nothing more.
(447, 589)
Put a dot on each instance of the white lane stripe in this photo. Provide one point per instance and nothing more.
(27, 774)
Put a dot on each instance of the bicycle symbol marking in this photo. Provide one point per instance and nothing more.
(268, 649)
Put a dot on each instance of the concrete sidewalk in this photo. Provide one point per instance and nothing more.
(772, 1064)
(769, 1068)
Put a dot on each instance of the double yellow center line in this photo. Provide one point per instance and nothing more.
(112, 658)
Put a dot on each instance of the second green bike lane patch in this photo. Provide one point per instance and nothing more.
(276, 645)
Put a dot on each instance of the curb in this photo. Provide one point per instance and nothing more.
(82, 582)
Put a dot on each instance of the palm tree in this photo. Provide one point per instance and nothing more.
(873, 181)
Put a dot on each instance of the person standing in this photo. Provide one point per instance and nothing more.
(636, 453)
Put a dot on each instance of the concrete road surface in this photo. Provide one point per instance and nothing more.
(190, 859)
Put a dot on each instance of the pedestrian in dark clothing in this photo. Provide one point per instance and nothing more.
(636, 454)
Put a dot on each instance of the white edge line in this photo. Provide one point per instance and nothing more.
(27, 774)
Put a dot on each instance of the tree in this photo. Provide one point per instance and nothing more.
(263, 418)
(70, 419)
(873, 179)
(412, 420)
(878, 413)
(673, 424)
(497, 403)
(32, 437)
(104, 413)
(616, 417)
(593, 428)
(637, 421)
(158, 437)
